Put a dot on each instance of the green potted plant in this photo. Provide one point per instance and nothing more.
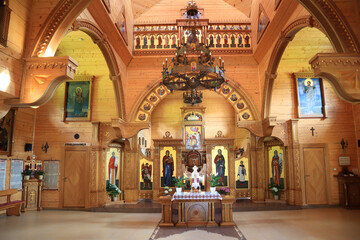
(26, 173)
(179, 183)
(113, 191)
(275, 190)
(214, 180)
(40, 174)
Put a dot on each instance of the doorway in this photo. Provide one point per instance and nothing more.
(315, 175)
(75, 172)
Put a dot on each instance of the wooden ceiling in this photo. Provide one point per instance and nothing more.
(243, 6)
(141, 6)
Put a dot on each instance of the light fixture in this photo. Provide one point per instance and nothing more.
(193, 68)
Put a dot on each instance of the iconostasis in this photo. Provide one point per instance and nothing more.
(113, 156)
(242, 173)
(146, 174)
(167, 166)
(276, 166)
(220, 164)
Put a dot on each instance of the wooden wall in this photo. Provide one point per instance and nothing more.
(11, 56)
(340, 120)
(50, 126)
(144, 71)
(219, 115)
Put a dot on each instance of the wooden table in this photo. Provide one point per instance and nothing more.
(349, 191)
(196, 212)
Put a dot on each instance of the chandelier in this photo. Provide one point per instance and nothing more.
(193, 67)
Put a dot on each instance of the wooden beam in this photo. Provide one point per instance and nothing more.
(102, 18)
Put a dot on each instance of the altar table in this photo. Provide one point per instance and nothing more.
(197, 209)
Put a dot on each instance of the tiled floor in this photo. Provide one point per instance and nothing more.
(319, 223)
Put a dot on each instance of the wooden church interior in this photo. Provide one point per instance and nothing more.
(111, 54)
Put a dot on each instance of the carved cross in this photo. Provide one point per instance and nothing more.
(312, 130)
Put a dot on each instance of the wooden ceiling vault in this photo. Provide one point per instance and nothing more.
(145, 10)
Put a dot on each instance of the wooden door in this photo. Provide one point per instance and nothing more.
(74, 178)
(315, 176)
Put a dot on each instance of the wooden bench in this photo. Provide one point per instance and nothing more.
(12, 207)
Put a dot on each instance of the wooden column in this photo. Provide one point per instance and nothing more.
(181, 213)
(258, 159)
(294, 184)
(253, 168)
(131, 190)
(156, 169)
(211, 218)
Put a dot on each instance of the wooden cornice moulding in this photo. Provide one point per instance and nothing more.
(128, 129)
(342, 70)
(41, 77)
(168, 142)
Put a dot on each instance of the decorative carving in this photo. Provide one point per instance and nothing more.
(167, 135)
(329, 15)
(336, 68)
(42, 76)
(219, 134)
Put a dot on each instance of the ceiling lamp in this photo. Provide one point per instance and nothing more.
(193, 67)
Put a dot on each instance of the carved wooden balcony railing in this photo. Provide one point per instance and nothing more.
(222, 38)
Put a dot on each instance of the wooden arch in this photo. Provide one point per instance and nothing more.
(271, 73)
(155, 93)
(100, 39)
(334, 24)
(56, 26)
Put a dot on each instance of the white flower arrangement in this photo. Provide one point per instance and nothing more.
(275, 189)
(167, 190)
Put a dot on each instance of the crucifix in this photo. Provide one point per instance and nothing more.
(312, 130)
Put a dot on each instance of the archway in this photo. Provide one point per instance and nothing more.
(285, 38)
(233, 92)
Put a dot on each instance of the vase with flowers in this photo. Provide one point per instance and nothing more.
(275, 190)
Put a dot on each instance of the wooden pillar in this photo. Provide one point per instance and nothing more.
(231, 166)
(156, 169)
(257, 169)
(131, 180)
(294, 179)
(253, 167)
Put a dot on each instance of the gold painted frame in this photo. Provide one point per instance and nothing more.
(83, 88)
(319, 98)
